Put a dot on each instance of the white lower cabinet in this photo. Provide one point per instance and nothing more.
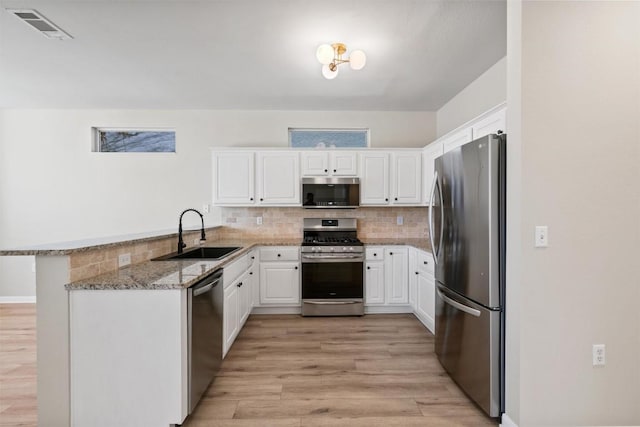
(279, 275)
(231, 321)
(374, 280)
(421, 268)
(396, 259)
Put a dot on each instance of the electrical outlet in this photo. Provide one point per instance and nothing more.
(124, 260)
(259, 220)
(542, 236)
(206, 208)
(399, 220)
(598, 355)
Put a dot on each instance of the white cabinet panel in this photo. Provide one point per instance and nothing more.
(278, 175)
(279, 283)
(396, 275)
(343, 163)
(314, 163)
(493, 123)
(374, 280)
(244, 298)
(426, 307)
(231, 320)
(374, 179)
(233, 178)
(407, 177)
(457, 139)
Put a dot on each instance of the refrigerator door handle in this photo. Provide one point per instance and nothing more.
(456, 304)
(430, 219)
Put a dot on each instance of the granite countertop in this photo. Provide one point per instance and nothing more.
(418, 243)
(75, 246)
(170, 274)
(181, 274)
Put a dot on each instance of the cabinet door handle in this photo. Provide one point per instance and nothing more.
(278, 255)
(296, 267)
(251, 199)
(425, 262)
(261, 199)
(375, 254)
(240, 284)
(335, 170)
(326, 170)
(251, 273)
(386, 199)
(417, 272)
(253, 257)
(396, 199)
(390, 253)
(368, 268)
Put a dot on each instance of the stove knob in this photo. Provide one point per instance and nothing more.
(333, 249)
(344, 249)
(351, 249)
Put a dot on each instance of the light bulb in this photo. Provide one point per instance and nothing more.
(357, 59)
(328, 74)
(324, 54)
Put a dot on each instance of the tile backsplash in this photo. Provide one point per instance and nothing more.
(373, 222)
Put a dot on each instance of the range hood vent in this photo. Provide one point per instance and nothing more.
(40, 23)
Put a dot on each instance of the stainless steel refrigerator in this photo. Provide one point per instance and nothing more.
(467, 230)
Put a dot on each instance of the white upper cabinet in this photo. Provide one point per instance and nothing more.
(429, 155)
(329, 163)
(233, 178)
(278, 178)
(374, 178)
(457, 139)
(493, 123)
(406, 178)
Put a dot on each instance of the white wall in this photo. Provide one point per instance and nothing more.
(53, 188)
(579, 173)
(485, 92)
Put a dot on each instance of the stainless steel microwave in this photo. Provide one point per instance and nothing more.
(330, 193)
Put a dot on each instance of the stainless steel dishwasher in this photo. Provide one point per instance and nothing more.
(205, 300)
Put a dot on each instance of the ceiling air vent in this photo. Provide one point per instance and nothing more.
(40, 23)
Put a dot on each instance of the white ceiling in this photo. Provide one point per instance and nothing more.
(243, 54)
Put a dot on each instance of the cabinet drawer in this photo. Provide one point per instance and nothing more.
(424, 261)
(235, 269)
(374, 253)
(279, 253)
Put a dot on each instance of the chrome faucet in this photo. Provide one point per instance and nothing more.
(181, 244)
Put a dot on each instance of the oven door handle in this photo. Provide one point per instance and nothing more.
(331, 256)
(330, 302)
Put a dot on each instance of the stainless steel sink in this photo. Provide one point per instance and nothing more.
(200, 253)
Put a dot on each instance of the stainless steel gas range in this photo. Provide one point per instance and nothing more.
(332, 268)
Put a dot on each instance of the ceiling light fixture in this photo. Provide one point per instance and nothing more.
(330, 56)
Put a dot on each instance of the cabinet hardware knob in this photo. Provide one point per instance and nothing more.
(253, 257)
(261, 199)
(335, 170)
(375, 254)
(416, 272)
(368, 268)
(425, 262)
(251, 273)
(326, 170)
(240, 284)
(386, 199)
(278, 254)
(251, 199)
(390, 253)
(296, 267)
(396, 198)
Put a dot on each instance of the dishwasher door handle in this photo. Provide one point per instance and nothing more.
(205, 288)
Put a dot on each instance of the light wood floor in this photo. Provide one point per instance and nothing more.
(18, 365)
(377, 370)
(374, 371)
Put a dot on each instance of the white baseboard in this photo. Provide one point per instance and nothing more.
(428, 323)
(507, 422)
(18, 300)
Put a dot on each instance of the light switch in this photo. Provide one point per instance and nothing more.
(542, 236)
